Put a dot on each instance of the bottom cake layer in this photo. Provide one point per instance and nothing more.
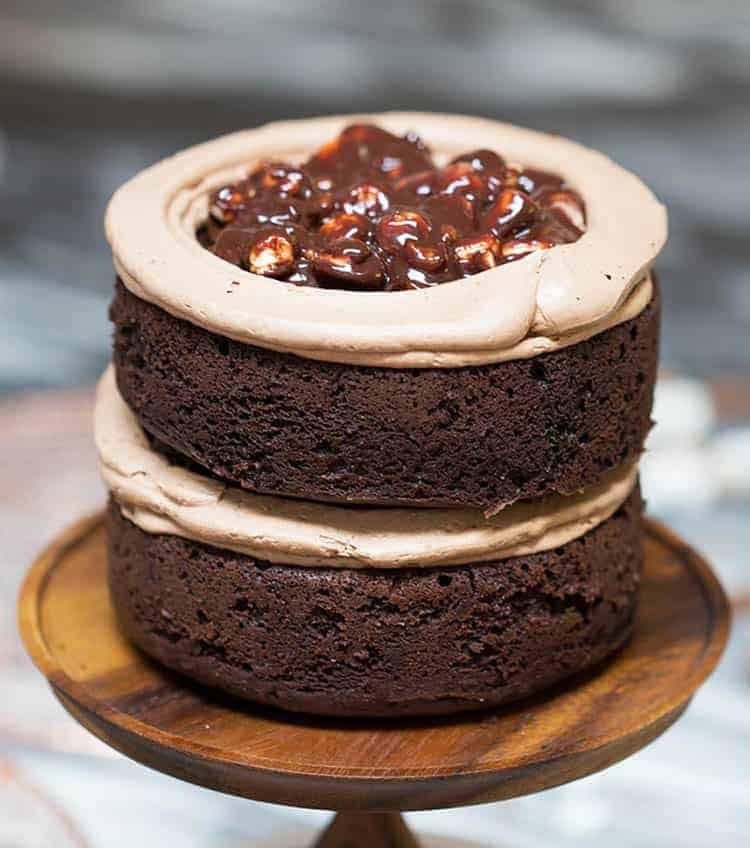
(345, 642)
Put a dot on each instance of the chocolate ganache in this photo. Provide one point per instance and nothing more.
(372, 211)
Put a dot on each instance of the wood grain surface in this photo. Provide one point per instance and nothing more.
(69, 628)
(374, 830)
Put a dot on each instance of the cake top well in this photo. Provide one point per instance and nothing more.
(372, 211)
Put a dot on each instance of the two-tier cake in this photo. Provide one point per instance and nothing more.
(379, 391)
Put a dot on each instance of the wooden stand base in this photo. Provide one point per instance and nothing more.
(370, 770)
(376, 830)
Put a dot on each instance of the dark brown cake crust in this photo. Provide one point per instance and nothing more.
(373, 643)
(478, 436)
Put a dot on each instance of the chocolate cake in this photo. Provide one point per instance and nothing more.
(340, 641)
(379, 389)
(484, 436)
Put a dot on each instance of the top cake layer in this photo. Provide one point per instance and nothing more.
(372, 211)
(548, 299)
(479, 437)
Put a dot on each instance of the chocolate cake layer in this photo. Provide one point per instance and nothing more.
(341, 642)
(481, 436)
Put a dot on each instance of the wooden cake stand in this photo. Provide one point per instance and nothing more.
(370, 770)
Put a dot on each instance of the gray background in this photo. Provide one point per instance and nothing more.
(91, 92)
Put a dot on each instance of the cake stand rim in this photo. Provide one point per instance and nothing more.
(109, 721)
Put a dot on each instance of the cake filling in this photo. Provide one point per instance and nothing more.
(160, 497)
(372, 211)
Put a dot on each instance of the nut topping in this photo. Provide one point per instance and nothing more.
(533, 181)
(349, 261)
(477, 253)
(281, 179)
(366, 198)
(483, 161)
(425, 257)
(346, 225)
(460, 178)
(421, 184)
(372, 211)
(518, 248)
(271, 255)
(398, 228)
(510, 211)
(225, 204)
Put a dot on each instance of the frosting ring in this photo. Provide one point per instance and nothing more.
(539, 303)
(162, 498)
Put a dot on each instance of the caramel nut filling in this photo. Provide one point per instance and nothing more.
(372, 211)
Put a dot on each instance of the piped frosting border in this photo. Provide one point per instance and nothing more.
(542, 302)
(162, 498)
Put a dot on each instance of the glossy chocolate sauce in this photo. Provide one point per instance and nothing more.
(371, 211)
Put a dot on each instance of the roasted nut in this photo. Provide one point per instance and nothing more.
(349, 261)
(426, 257)
(378, 149)
(518, 248)
(398, 159)
(283, 179)
(226, 203)
(272, 255)
(390, 164)
(366, 199)
(568, 205)
(400, 227)
(483, 161)
(476, 253)
(363, 134)
(512, 209)
(533, 181)
(448, 233)
(343, 251)
(421, 184)
(453, 215)
(346, 225)
(265, 209)
(460, 178)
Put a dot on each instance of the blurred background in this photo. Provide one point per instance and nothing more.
(90, 92)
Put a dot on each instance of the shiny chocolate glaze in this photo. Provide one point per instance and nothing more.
(371, 211)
